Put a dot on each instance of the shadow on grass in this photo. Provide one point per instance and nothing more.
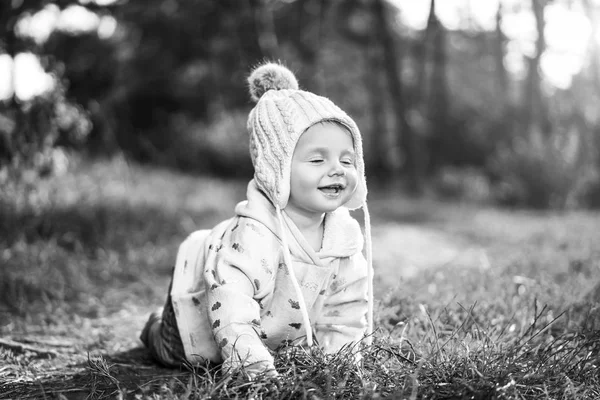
(120, 375)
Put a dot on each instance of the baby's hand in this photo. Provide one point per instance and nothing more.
(260, 368)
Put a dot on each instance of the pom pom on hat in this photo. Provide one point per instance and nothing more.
(270, 76)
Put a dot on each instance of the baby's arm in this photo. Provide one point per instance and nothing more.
(343, 318)
(238, 273)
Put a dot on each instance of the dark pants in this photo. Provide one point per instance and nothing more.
(161, 336)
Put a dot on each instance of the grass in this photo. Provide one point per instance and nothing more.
(87, 255)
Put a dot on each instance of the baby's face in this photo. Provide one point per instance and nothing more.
(323, 173)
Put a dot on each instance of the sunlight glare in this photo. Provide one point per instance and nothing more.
(567, 33)
(74, 19)
(40, 25)
(559, 68)
(484, 13)
(30, 78)
(514, 61)
(78, 19)
(520, 28)
(413, 13)
(107, 27)
(449, 13)
(567, 29)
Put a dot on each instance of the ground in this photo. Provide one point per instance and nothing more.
(111, 231)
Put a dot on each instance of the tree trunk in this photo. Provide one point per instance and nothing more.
(501, 74)
(392, 69)
(536, 113)
(438, 87)
(378, 161)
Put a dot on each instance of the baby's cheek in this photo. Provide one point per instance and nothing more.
(352, 177)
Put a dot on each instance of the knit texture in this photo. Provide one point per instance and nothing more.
(281, 115)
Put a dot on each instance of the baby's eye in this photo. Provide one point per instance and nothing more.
(316, 161)
(347, 161)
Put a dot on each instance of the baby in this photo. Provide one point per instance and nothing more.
(288, 268)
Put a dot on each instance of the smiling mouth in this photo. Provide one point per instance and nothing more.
(332, 190)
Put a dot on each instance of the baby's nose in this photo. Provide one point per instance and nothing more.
(337, 169)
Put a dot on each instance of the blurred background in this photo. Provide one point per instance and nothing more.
(123, 130)
(492, 100)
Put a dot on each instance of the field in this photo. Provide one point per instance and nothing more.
(472, 301)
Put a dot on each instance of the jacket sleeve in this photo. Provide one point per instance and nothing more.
(240, 269)
(343, 318)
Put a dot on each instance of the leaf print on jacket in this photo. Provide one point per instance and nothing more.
(238, 247)
(295, 304)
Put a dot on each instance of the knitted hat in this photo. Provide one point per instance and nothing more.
(281, 115)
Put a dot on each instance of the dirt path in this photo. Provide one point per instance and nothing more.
(402, 251)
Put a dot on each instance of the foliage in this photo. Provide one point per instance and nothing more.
(33, 133)
(168, 88)
(219, 146)
(545, 171)
(465, 184)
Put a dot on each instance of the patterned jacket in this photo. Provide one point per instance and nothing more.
(236, 303)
